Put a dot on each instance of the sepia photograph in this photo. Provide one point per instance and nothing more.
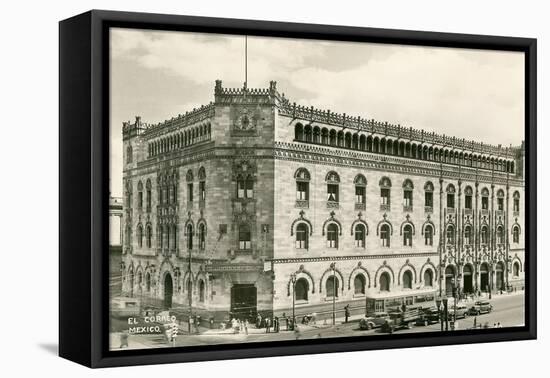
(266, 189)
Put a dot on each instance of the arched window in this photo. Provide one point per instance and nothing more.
(484, 232)
(174, 236)
(140, 195)
(332, 236)
(359, 284)
(407, 235)
(202, 236)
(148, 282)
(450, 234)
(515, 269)
(484, 199)
(245, 187)
(167, 236)
(407, 279)
(244, 237)
(500, 235)
(299, 132)
(429, 196)
(385, 282)
(140, 235)
(515, 234)
(428, 235)
(468, 193)
(428, 277)
(189, 236)
(148, 195)
(360, 235)
(202, 184)
(302, 184)
(149, 236)
(201, 290)
(407, 195)
(301, 288)
(385, 194)
(450, 196)
(385, 235)
(129, 154)
(516, 202)
(333, 181)
(302, 236)
(360, 190)
(468, 235)
(331, 286)
(500, 200)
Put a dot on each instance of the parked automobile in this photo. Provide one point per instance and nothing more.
(480, 307)
(401, 319)
(429, 315)
(461, 311)
(373, 321)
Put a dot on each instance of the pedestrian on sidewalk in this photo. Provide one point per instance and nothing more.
(258, 320)
(346, 312)
(297, 333)
(246, 326)
(267, 325)
(276, 324)
(124, 340)
(285, 318)
(475, 322)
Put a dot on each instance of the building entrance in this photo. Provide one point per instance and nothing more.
(468, 279)
(168, 291)
(244, 301)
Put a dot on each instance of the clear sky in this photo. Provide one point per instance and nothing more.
(472, 94)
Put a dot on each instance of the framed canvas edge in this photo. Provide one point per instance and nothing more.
(99, 170)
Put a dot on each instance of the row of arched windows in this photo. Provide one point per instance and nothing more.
(167, 236)
(179, 140)
(302, 289)
(388, 146)
(333, 234)
(332, 180)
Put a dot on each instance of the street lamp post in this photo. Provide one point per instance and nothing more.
(438, 303)
(190, 289)
(446, 311)
(333, 267)
(293, 278)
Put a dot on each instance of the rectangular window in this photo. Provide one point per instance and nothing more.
(468, 202)
(429, 199)
(332, 192)
(450, 201)
(408, 198)
(249, 187)
(500, 204)
(485, 203)
(140, 200)
(302, 189)
(240, 189)
(359, 194)
(385, 196)
(190, 192)
(202, 189)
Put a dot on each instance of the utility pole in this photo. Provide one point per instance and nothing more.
(333, 266)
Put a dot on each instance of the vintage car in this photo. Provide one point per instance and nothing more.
(429, 316)
(401, 319)
(373, 320)
(480, 307)
(461, 311)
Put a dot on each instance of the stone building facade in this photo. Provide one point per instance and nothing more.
(253, 203)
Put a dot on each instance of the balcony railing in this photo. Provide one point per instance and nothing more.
(484, 212)
(516, 213)
(451, 210)
(301, 204)
(333, 205)
(468, 211)
(428, 209)
(385, 207)
(360, 206)
(407, 208)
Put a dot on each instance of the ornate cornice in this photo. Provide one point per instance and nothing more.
(293, 260)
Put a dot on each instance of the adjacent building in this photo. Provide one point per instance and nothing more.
(254, 203)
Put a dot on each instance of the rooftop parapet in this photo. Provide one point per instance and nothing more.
(372, 126)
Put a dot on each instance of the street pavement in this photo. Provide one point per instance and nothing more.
(508, 310)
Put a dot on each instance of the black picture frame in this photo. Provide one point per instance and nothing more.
(84, 187)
